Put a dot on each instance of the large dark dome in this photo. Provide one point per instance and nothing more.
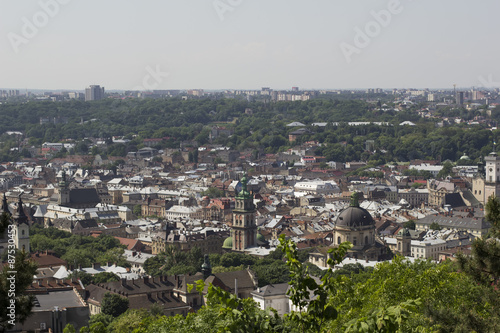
(354, 217)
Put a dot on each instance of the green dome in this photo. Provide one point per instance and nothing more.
(228, 243)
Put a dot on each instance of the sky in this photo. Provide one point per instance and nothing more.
(249, 44)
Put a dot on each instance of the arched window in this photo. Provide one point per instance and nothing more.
(338, 240)
(354, 241)
(366, 240)
(22, 232)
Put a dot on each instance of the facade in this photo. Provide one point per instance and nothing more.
(414, 197)
(427, 248)
(273, 296)
(475, 225)
(438, 190)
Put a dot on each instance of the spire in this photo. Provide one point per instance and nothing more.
(19, 215)
(5, 205)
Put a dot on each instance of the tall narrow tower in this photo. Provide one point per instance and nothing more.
(492, 179)
(244, 229)
(64, 198)
(21, 229)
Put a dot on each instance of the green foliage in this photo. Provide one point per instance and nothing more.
(213, 192)
(312, 311)
(69, 328)
(76, 250)
(113, 304)
(409, 224)
(435, 226)
(137, 210)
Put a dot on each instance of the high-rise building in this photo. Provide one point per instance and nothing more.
(94, 93)
(460, 98)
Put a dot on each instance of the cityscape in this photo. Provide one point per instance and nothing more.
(228, 166)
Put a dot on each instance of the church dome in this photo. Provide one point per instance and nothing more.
(228, 243)
(353, 217)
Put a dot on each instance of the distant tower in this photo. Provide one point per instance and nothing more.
(492, 179)
(206, 268)
(244, 229)
(94, 93)
(403, 242)
(21, 229)
(63, 191)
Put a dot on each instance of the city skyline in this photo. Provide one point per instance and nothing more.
(237, 44)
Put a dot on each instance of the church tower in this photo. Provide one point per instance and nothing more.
(21, 229)
(244, 229)
(492, 179)
(63, 191)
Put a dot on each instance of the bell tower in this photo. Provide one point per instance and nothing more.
(21, 229)
(244, 229)
(63, 191)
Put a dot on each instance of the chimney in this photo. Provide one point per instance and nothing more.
(124, 282)
(96, 265)
(236, 287)
(146, 279)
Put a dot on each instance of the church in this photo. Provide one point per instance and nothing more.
(356, 225)
(19, 229)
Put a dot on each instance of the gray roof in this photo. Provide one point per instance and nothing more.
(272, 290)
(456, 221)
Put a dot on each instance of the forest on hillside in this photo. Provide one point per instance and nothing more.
(263, 129)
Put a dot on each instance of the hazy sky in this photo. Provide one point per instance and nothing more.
(248, 44)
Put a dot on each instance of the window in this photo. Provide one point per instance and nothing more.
(338, 240)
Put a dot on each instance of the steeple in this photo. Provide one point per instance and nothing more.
(19, 215)
(5, 205)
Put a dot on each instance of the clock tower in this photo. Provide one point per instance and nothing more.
(492, 179)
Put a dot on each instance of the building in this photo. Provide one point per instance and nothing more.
(438, 190)
(355, 224)
(273, 296)
(468, 222)
(94, 93)
(141, 293)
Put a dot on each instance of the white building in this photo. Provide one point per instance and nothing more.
(317, 187)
